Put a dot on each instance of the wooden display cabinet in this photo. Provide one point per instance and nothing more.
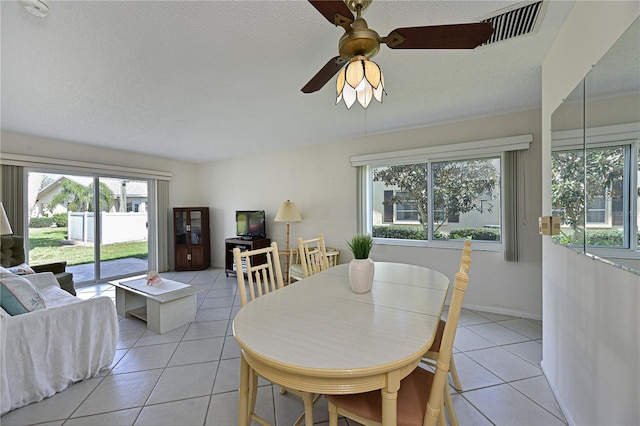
(191, 238)
(231, 243)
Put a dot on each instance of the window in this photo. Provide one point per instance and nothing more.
(597, 210)
(463, 194)
(405, 208)
(398, 207)
(429, 196)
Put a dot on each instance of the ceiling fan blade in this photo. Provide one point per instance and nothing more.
(455, 36)
(330, 69)
(336, 12)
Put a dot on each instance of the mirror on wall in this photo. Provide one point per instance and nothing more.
(595, 152)
(567, 169)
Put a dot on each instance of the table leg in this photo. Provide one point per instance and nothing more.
(243, 403)
(333, 415)
(389, 408)
(390, 400)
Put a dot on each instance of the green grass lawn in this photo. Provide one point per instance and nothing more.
(51, 245)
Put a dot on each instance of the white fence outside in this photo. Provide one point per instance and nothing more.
(116, 227)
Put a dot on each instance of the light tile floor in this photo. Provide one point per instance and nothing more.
(190, 376)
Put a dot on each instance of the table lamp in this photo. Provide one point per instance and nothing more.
(5, 226)
(288, 212)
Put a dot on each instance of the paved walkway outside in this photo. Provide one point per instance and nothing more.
(84, 274)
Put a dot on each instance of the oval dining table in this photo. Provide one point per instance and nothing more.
(316, 335)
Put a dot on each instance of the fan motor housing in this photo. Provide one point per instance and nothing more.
(360, 40)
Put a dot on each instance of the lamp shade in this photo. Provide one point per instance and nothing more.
(360, 79)
(5, 226)
(288, 212)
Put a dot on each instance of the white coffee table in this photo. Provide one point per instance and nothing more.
(165, 306)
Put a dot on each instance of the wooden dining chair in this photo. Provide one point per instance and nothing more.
(263, 273)
(421, 395)
(262, 270)
(313, 255)
(308, 259)
(431, 357)
(295, 265)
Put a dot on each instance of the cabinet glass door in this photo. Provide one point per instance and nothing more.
(181, 227)
(196, 226)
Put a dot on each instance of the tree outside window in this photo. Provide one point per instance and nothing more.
(79, 198)
(464, 195)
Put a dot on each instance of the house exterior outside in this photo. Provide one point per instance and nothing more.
(125, 221)
(128, 195)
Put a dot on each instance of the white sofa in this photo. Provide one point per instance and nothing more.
(44, 351)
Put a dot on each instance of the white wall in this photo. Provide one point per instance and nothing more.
(591, 324)
(322, 182)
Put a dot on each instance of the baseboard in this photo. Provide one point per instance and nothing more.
(554, 390)
(509, 312)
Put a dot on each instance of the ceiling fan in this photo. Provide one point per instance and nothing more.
(360, 41)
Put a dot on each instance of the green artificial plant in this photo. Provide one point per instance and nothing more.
(360, 246)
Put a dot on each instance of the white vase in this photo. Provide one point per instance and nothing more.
(361, 275)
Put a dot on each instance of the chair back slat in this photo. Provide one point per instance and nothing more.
(262, 270)
(316, 261)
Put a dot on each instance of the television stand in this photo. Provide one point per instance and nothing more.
(243, 244)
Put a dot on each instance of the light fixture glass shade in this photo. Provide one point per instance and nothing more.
(5, 226)
(288, 212)
(360, 79)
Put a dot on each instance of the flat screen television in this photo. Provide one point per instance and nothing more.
(250, 224)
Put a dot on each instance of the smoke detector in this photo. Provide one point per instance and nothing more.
(36, 7)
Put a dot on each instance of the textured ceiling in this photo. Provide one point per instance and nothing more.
(208, 80)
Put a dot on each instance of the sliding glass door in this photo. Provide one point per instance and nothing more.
(99, 225)
(60, 223)
(123, 224)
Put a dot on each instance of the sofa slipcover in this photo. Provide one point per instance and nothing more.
(45, 351)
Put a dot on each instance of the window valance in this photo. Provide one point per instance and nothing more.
(451, 151)
(80, 166)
